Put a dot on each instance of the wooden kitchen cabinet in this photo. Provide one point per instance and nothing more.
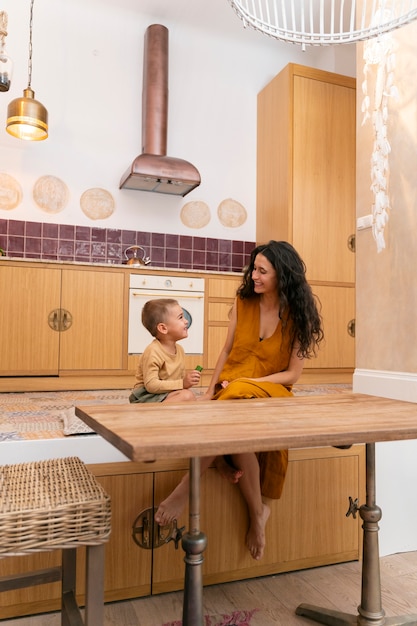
(128, 568)
(306, 186)
(308, 526)
(28, 344)
(95, 300)
(60, 320)
(220, 294)
(337, 351)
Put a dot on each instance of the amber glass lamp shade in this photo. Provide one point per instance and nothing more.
(27, 118)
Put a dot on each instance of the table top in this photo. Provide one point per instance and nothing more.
(146, 432)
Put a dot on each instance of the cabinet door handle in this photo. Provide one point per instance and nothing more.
(147, 534)
(351, 243)
(66, 320)
(54, 320)
(59, 320)
(351, 327)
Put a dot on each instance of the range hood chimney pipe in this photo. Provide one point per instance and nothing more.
(153, 170)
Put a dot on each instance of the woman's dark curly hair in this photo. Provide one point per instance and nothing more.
(296, 299)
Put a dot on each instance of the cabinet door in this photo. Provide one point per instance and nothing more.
(127, 566)
(220, 295)
(324, 178)
(95, 340)
(338, 312)
(28, 296)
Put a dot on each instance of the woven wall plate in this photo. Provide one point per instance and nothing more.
(195, 214)
(10, 192)
(50, 194)
(97, 203)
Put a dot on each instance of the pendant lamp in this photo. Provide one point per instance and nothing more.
(5, 60)
(324, 22)
(26, 117)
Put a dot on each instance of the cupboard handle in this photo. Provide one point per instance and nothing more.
(66, 320)
(53, 320)
(351, 327)
(147, 534)
(351, 243)
(59, 320)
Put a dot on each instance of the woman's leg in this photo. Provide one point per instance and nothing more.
(250, 487)
(232, 474)
(172, 507)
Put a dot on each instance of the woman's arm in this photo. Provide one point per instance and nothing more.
(288, 376)
(223, 354)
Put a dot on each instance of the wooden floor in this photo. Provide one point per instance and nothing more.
(276, 597)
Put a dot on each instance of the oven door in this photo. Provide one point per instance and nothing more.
(193, 306)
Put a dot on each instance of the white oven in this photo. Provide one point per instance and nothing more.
(190, 295)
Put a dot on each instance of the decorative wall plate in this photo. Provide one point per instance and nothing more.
(10, 192)
(97, 203)
(231, 213)
(50, 194)
(195, 214)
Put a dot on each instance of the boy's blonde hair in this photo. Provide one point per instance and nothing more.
(154, 312)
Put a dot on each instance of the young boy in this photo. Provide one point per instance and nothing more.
(161, 375)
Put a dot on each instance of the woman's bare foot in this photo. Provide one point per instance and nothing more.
(173, 506)
(255, 539)
(227, 471)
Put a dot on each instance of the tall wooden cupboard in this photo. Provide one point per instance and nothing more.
(306, 191)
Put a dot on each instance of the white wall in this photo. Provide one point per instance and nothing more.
(87, 71)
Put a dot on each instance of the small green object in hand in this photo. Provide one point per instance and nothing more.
(198, 368)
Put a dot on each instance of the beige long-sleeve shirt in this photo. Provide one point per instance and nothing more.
(158, 371)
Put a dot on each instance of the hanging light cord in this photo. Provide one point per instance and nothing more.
(30, 44)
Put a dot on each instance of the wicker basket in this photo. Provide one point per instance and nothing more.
(49, 505)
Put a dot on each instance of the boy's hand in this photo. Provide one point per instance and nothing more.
(191, 378)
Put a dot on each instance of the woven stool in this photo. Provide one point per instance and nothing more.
(51, 505)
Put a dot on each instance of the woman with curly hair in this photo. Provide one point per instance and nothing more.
(274, 325)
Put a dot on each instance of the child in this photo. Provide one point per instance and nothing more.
(161, 375)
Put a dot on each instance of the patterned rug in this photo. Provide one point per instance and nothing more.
(46, 415)
(238, 618)
(50, 415)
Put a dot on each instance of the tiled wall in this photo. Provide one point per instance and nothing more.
(35, 240)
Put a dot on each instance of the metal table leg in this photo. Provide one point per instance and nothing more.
(194, 543)
(370, 611)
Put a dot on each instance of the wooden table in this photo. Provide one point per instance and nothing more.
(149, 432)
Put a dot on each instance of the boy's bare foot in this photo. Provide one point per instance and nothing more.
(255, 539)
(173, 506)
(227, 471)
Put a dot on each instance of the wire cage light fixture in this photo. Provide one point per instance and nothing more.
(324, 22)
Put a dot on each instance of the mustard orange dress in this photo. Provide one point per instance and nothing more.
(251, 357)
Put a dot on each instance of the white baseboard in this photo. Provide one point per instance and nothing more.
(386, 384)
(396, 470)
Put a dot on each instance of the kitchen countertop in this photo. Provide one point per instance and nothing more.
(118, 266)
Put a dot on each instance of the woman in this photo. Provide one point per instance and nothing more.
(274, 325)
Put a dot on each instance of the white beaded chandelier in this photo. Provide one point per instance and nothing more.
(325, 22)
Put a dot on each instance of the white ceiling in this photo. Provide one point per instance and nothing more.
(216, 16)
(219, 19)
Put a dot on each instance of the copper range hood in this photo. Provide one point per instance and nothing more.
(153, 170)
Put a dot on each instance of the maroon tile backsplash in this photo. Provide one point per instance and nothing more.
(60, 242)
